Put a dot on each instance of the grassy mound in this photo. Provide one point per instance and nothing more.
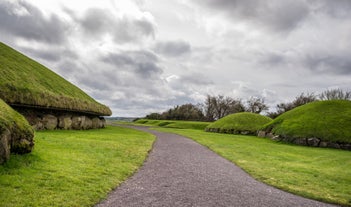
(16, 135)
(326, 120)
(174, 124)
(239, 123)
(26, 82)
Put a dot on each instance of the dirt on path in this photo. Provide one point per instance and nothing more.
(181, 172)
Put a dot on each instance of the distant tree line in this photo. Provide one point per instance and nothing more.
(216, 107)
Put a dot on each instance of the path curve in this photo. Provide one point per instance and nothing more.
(181, 172)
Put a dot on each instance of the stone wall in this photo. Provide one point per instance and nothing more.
(312, 141)
(52, 119)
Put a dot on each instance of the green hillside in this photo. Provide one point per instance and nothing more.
(326, 120)
(24, 81)
(245, 123)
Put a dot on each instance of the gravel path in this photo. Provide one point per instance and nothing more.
(180, 172)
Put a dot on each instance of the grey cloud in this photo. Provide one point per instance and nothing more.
(67, 67)
(276, 15)
(129, 30)
(319, 61)
(143, 63)
(338, 9)
(46, 55)
(173, 48)
(272, 58)
(96, 21)
(335, 64)
(123, 30)
(51, 54)
(195, 79)
(31, 24)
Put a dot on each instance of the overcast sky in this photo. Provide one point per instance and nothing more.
(143, 56)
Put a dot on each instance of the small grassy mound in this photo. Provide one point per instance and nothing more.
(326, 120)
(26, 82)
(16, 135)
(174, 124)
(239, 123)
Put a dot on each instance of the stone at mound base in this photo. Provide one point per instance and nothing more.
(5, 137)
(16, 135)
(65, 122)
(50, 122)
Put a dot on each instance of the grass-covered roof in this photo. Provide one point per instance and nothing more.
(239, 123)
(26, 82)
(326, 120)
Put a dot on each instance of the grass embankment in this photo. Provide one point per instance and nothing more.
(174, 124)
(72, 168)
(25, 81)
(245, 122)
(317, 173)
(327, 120)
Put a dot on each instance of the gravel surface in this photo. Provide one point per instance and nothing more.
(181, 172)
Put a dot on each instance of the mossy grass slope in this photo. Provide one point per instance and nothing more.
(24, 81)
(326, 120)
(10, 119)
(245, 122)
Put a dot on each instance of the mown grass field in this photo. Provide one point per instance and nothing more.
(174, 124)
(317, 173)
(72, 168)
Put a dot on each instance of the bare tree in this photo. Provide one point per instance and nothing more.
(216, 107)
(256, 105)
(300, 100)
(208, 109)
(335, 94)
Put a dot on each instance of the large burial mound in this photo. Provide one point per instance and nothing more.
(320, 123)
(16, 135)
(47, 100)
(239, 123)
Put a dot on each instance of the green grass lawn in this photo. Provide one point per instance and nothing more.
(72, 168)
(174, 123)
(317, 173)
